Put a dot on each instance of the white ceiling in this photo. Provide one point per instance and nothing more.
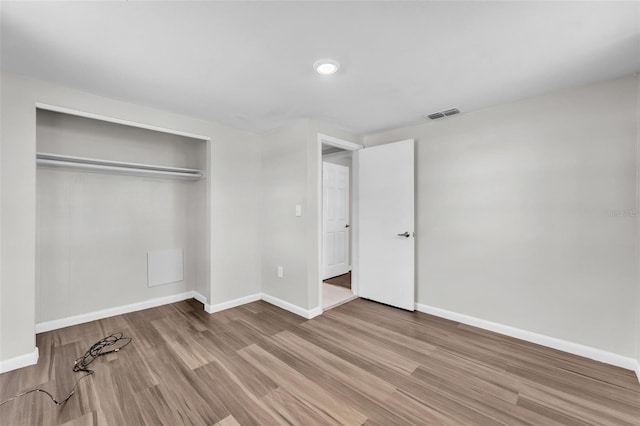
(249, 65)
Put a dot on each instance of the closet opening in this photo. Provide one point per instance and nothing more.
(121, 217)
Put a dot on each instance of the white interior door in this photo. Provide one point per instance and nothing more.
(386, 224)
(335, 222)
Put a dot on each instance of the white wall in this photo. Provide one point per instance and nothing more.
(510, 211)
(512, 223)
(284, 237)
(229, 190)
(94, 230)
(290, 176)
(235, 216)
(17, 222)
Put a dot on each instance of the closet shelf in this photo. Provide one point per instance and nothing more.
(116, 167)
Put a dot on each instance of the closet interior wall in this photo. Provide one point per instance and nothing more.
(94, 230)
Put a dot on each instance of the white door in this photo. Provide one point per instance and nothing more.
(386, 224)
(335, 220)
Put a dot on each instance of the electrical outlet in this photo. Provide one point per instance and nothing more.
(280, 272)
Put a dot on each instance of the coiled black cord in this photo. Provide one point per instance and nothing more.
(82, 364)
(97, 350)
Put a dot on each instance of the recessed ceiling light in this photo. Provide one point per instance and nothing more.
(326, 66)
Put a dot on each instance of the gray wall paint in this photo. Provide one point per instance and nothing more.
(290, 176)
(94, 230)
(17, 221)
(232, 200)
(511, 224)
(284, 236)
(511, 214)
(235, 217)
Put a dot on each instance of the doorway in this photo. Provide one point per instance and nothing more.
(382, 223)
(336, 223)
(337, 188)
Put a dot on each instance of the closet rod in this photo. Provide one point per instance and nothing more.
(116, 167)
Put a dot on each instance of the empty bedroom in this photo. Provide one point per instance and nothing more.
(319, 212)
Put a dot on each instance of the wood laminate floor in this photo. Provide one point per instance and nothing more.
(343, 280)
(360, 363)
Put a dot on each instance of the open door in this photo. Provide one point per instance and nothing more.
(386, 224)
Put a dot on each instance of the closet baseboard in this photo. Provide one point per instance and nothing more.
(109, 312)
(200, 298)
(152, 303)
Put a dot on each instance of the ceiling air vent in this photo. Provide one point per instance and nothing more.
(442, 114)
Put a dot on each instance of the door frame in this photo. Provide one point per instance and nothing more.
(348, 146)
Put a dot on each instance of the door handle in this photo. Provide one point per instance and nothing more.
(347, 226)
(406, 235)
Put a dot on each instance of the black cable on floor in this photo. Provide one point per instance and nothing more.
(82, 364)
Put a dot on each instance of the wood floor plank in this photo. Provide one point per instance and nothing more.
(315, 372)
(341, 280)
(416, 412)
(94, 418)
(551, 412)
(575, 384)
(183, 342)
(236, 398)
(391, 338)
(228, 421)
(289, 409)
(247, 375)
(359, 363)
(378, 353)
(423, 393)
(482, 401)
(154, 408)
(450, 372)
(357, 379)
(313, 395)
(582, 407)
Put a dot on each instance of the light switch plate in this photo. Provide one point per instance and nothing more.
(280, 272)
(298, 210)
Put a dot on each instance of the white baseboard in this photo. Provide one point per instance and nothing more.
(232, 303)
(32, 358)
(200, 298)
(552, 342)
(306, 313)
(312, 313)
(19, 361)
(105, 313)
(638, 370)
(152, 303)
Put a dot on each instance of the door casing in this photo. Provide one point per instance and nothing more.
(349, 146)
